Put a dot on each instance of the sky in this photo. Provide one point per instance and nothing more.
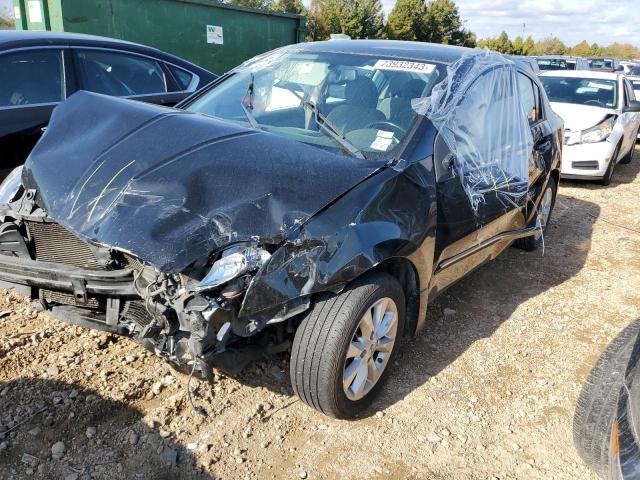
(601, 21)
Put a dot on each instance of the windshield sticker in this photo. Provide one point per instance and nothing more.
(403, 66)
(383, 140)
(601, 86)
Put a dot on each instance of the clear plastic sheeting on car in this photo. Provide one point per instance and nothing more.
(478, 112)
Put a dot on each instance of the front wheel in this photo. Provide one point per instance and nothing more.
(343, 347)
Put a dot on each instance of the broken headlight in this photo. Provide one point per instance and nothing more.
(233, 264)
(10, 185)
(599, 133)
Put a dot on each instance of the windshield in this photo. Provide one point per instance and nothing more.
(352, 103)
(601, 63)
(582, 91)
(635, 70)
(556, 64)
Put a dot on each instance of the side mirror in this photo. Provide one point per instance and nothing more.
(633, 107)
(619, 68)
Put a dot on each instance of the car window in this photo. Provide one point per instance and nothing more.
(629, 90)
(120, 74)
(528, 97)
(31, 77)
(183, 77)
(595, 92)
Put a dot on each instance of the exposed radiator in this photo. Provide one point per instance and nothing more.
(52, 243)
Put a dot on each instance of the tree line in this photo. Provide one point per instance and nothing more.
(436, 21)
(555, 46)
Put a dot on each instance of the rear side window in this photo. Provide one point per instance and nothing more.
(31, 77)
(528, 98)
(120, 74)
(183, 78)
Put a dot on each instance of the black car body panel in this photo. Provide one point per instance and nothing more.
(127, 160)
(21, 125)
(162, 194)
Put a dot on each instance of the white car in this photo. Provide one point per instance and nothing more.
(601, 118)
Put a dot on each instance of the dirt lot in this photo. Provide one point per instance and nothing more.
(487, 391)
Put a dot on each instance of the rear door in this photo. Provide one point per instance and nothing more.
(131, 75)
(487, 120)
(32, 82)
(542, 153)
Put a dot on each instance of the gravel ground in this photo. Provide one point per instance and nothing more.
(487, 391)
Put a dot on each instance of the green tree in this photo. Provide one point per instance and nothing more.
(316, 24)
(6, 19)
(444, 25)
(529, 46)
(551, 46)
(581, 49)
(518, 45)
(356, 18)
(257, 4)
(500, 44)
(595, 50)
(407, 20)
(289, 6)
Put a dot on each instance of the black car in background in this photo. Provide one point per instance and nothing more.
(313, 200)
(38, 70)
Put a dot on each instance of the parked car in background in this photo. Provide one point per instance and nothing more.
(38, 70)
(628, 67)
(607, 416)
(562, 62)
(605, 64)
(601, 118)
(315, 199)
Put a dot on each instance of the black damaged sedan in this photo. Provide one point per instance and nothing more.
(313, 200)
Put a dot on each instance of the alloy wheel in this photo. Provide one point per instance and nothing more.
(370, 348)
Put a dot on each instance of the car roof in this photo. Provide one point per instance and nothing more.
(564, 57)
(10, 39)
(419, 51)
(593, 74)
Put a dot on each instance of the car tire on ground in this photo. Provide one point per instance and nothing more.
(545, 209)
(608, 175)
(629, 156)
(344, 346)
(596, 406)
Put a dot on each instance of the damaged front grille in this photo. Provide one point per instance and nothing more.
(53, 243)
(64, 298)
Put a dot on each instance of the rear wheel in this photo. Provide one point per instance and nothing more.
(545, 208)
(343, 347)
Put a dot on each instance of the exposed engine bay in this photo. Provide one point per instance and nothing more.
(187, 319)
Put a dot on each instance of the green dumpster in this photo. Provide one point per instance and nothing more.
(211, 34)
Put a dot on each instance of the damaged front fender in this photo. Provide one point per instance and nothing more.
(390, 215)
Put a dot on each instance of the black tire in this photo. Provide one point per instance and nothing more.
(608, 175)
(626, 160)
(323, 337)
(596, 406)
(530, 244)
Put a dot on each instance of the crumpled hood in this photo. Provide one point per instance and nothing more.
(581, 117)
(170, 186)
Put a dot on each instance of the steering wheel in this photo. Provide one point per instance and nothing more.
(596, 103)
(382, 124)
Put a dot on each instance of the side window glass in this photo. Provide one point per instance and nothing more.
(528, 98)
(31, 77)
(183, 77)
(120, 74)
